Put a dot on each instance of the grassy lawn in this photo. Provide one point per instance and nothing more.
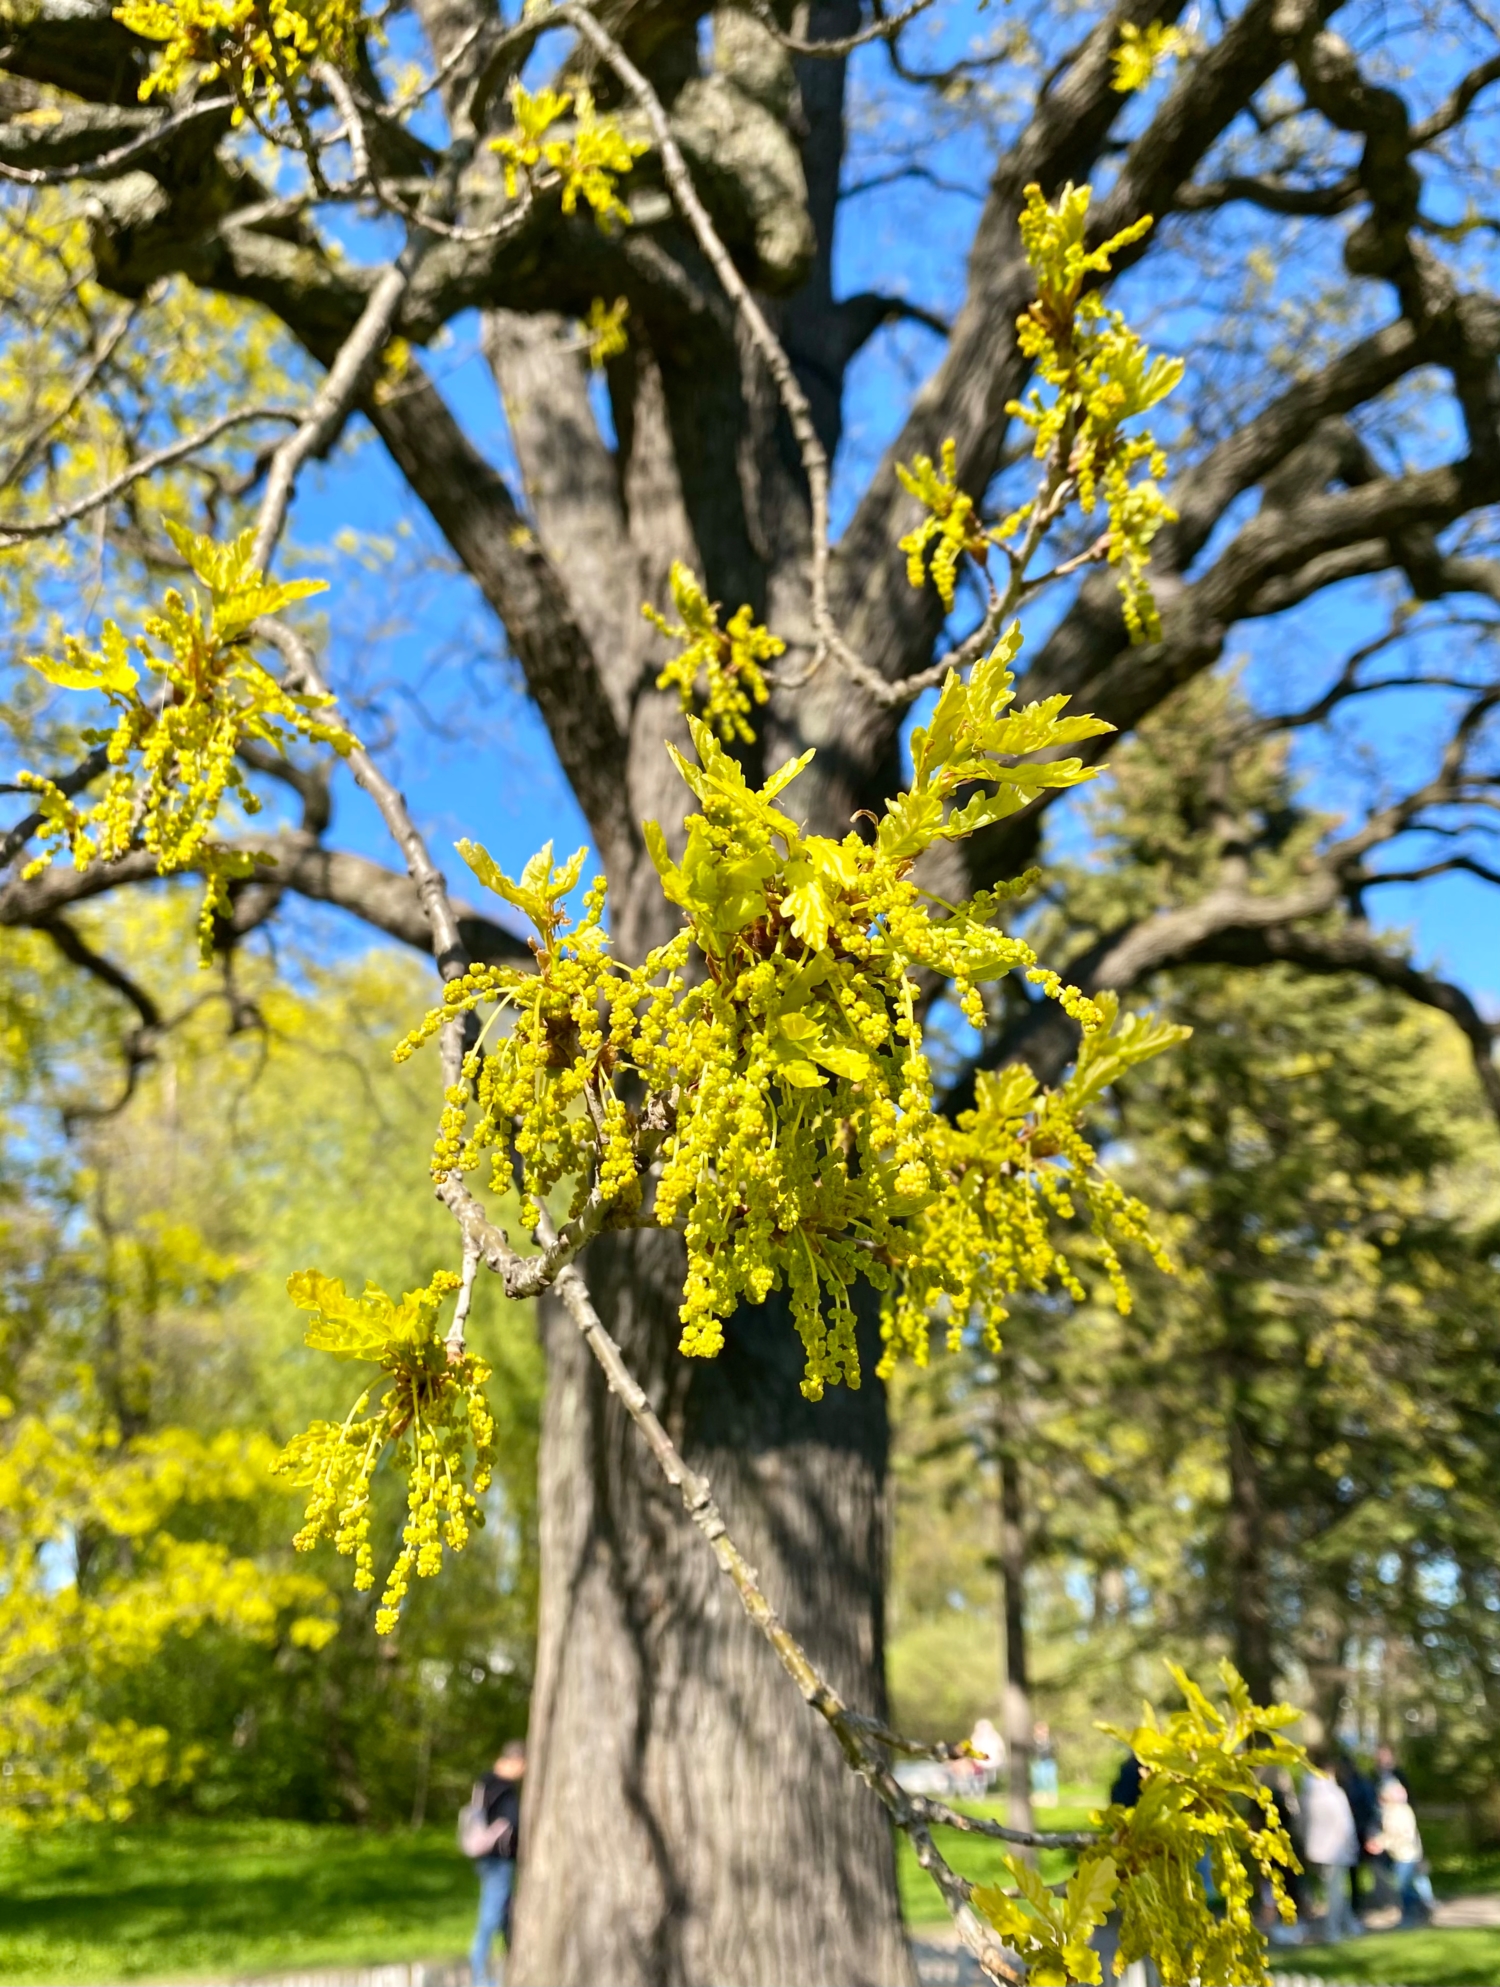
(226, 1897)
(1456, 1867)
(1414, 1959)
(235, 1898)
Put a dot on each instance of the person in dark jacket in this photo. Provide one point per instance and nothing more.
(1126, 1791)
(500, 1791)
(1365, 1806)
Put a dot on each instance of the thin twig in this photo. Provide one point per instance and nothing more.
(365, 180)
(16, 532)
(31, 445)
(878, 30)
(109, 162)
(454, 1343)
(432, 890)
(342, 385)
(767, 344)
(528, 1276)
(350, 372)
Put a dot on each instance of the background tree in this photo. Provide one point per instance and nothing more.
(1279, 1452)
(145, 1328)
(646, 1691)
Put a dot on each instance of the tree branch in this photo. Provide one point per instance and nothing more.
(18, 531)
(381, 898)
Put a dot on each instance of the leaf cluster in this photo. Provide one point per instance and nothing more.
(764, 1071)
(1101, 375)
(69, 1473)
(589, 160)
(172, 754)
(260, 47)
(1204, 1792)
(719, 668)
(1141, 53)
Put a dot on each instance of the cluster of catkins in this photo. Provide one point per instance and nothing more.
(431, 1411)
(778, 1038)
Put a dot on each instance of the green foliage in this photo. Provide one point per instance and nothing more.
(1201, 1793)
(989, 1235)
(1052, 1933)
(63, 1475)
(604, 329)
(1141, 53)
(778, 1044)
(589, 160)
(161, 1649)
(261, 51)
(172, 754)
(1323, 1169)
(949, 529)
(727, 660)
(1096, 375)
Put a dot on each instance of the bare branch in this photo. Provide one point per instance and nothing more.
(1274, 196)
(880, 29)
(141, 1042)
(523, 1276)
(108, 164)
(384, 899)
(343, 385)
(1456, 105)
(18, 531)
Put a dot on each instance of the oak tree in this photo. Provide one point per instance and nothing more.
(675, 192)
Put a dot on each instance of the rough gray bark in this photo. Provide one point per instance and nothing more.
(713, 1822)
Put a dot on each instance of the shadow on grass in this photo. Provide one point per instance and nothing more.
(1426, 1958)
(135, 1903)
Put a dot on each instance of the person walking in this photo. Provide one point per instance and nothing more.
(1402, 1842)
(1332, 1847)
(489, 1831)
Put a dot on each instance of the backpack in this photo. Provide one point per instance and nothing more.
(478, 1837)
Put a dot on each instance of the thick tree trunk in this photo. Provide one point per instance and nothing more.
(687, 1819)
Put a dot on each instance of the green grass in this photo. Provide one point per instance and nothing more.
(226, 1897)
(1415, 1959)
(1456, 1868)
(235, 1898)
(978, 1858)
